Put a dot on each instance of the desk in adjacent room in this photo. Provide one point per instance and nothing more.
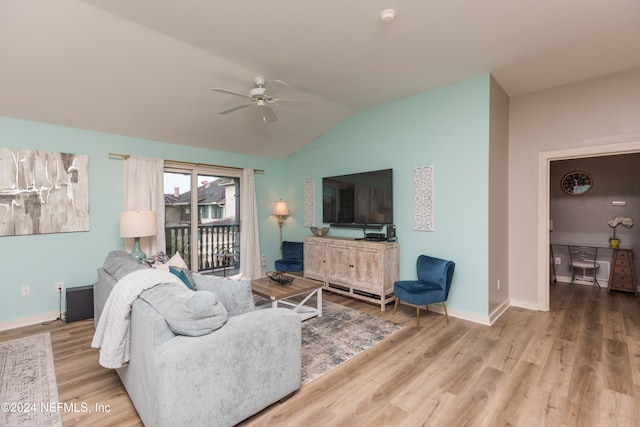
(561, 250)
(621, 275)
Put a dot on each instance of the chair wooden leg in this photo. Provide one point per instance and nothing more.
(395, 306)
(417, 317)
(446, 315)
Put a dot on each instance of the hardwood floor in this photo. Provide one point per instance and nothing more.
(577, 365)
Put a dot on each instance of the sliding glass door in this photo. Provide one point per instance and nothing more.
(202, 213)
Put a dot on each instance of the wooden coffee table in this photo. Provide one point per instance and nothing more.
(282, 294)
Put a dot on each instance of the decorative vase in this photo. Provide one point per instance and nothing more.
(614, 243)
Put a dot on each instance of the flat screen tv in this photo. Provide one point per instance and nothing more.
(358, 200)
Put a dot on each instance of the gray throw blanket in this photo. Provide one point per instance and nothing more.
(113, 334)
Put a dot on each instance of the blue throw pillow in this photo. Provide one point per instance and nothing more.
(183, 275)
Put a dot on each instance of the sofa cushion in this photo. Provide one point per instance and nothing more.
(235, 295)
(120, 263)
(185, 311)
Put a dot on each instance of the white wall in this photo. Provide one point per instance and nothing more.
(594, 113)
(498, 200)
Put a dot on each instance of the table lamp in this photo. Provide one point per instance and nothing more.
(137, 224)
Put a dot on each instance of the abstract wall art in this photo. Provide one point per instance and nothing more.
(43, 192)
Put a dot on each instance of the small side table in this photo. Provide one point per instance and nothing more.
(622, 276)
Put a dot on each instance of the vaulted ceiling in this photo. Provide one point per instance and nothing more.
(145, 68)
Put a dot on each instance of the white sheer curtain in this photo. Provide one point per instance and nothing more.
(144, 191)
(249, 239)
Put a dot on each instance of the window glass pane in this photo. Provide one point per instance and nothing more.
(214, 238)
(177, 212)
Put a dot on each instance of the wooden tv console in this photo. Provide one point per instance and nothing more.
(360, 269)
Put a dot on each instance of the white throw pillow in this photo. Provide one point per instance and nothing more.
(174, 261)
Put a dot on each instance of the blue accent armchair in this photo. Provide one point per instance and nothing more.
(292, 260)
(433, 284)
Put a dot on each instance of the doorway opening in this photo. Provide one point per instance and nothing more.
(544, 167)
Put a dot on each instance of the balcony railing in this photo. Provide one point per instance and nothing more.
(218, 246)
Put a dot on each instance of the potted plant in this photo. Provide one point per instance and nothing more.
(614, 223)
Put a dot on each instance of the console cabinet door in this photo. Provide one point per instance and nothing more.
(339, 264)
(367, 269)
(315, 260)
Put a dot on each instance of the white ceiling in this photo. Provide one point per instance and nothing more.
(145, 68)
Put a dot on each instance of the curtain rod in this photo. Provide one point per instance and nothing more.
(126, 156)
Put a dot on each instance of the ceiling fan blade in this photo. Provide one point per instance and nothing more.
(274, 86)
(231, 92)
(231, 110)
(266, 114)
(295, 102)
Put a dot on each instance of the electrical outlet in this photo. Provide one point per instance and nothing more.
(264, 260)
(558, 260)
(59, 286)
(25, 291)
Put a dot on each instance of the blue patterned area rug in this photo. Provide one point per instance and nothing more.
(340, 334)
(28, 388)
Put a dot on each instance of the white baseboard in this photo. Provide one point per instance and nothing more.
(27, 321)
(472, 317)
(529, 305)
(499, 311)
(567, 279)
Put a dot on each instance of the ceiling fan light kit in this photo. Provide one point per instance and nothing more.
(261, 97)
(388, 16)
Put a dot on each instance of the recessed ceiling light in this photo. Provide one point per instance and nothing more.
(387, 16)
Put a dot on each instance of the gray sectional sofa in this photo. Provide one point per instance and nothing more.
(218, 378)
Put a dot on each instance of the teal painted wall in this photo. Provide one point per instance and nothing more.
(447, 127)
(41, 260)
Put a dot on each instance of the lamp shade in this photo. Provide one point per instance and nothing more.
(138, 224)
(280, 208)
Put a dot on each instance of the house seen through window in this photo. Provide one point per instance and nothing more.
(202, 212)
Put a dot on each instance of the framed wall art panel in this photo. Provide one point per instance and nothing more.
(423, 200)
(309, 203)
(43, 192)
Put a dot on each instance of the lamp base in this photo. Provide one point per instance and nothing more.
(136, 252)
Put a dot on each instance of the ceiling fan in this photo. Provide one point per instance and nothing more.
(261, 98)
